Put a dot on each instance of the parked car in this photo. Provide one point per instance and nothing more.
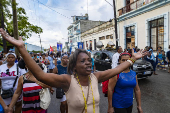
(103, 61)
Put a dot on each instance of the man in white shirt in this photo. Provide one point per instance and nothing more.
(116, 56)
(8, 73)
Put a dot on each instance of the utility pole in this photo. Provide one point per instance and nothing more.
(40, 42)
(115, 18)
(15, 23)
(2, 26)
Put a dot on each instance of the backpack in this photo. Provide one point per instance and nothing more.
(105, 86)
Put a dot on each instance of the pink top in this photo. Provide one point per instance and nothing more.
(75, 98)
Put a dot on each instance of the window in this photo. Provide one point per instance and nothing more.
(111, 36)
(87, 44)
(157, 33)
(97, 56)
(127, 2)
(130, 37)
(75, 28)
(105, 56)
(71, 41)
(102, 38)
(108, 36)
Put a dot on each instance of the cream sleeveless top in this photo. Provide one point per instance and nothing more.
(75, 98)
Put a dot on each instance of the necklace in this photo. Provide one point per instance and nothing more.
(85, 102)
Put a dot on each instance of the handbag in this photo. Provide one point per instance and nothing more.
(9, 93)
(45, 98)
(1, 109)
(59, 93)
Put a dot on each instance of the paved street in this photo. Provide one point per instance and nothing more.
(155, 95)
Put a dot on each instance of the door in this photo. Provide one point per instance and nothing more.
(94, 44)
(130, 37)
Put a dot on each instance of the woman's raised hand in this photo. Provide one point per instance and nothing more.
(17, 43)
(139, 54)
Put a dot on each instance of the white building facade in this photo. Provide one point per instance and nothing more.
(80, 24)
(104, 33)
(31, 47)
(144, 23)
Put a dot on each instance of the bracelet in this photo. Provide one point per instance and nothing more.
(130, 62)
(38, 82)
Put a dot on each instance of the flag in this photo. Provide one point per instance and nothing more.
(80, 45)
(51, 49)
(59, 46)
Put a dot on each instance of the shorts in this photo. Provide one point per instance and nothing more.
(123, 110)
(63, 99)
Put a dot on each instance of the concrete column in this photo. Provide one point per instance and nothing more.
(88, 44)
(92, 44)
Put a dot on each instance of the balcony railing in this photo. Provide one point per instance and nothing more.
(70, 35)
(77, 31)
(133, 6)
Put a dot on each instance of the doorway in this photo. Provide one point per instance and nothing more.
(130, 37)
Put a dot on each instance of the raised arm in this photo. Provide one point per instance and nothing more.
(47, 78)
(105, 75)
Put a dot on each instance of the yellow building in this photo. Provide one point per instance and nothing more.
(104, 33)
(143, 23)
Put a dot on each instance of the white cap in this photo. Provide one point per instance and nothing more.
(11, 54)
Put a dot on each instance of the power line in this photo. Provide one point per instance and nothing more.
(30, 8)
(39, 17)
(109, 3)
(53, 10)
(35, 11)
(67, 9)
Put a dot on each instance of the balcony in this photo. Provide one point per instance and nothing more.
(70, 35)
(76, 32)
(140, 7)
(134, 5)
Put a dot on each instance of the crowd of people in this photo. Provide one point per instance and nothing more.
(121, 100)
(160, 60)
(74, 78)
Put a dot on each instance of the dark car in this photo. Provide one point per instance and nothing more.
(103, 61)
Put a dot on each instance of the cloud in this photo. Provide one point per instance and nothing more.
(53, 3)
(55, 23)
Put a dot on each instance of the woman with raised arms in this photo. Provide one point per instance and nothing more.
(81, 88)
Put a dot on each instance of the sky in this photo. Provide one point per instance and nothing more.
(54, 16)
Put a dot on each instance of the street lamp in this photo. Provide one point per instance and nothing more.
(114, 9)
(40, 42)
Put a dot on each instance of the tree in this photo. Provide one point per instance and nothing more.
(25, 28)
